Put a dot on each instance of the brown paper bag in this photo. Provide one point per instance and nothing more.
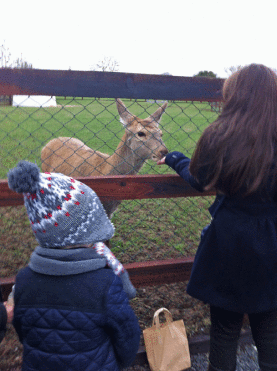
(166, 344)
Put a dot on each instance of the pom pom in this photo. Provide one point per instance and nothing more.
(24, 178)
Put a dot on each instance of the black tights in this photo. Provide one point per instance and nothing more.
(225, 332)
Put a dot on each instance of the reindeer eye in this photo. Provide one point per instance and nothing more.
(141, 134)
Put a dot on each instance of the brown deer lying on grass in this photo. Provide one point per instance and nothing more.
(142, 140)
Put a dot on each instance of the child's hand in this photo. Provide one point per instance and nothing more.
(9, 309)
(161, 162)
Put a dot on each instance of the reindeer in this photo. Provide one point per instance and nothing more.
(142, 140)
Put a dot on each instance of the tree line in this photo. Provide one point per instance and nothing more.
(107, 64)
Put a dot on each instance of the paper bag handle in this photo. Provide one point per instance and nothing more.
(168, 316)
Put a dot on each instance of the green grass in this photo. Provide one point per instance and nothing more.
(145, 229)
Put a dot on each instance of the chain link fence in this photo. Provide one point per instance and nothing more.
(150, 229)
(145, 229)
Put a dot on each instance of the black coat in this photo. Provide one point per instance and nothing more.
(235, 266)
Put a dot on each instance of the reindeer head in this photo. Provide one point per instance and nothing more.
(143, 136)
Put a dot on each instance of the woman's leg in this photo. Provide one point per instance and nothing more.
(224, 336)
(264, 332)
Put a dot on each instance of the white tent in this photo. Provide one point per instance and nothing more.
(34, 101)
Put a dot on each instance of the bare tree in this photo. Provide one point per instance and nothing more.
(20, 63)
(6, 61)
(107, 64)
(5, 56)
(232, 69)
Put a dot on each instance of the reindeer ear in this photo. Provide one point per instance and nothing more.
(126, 117)
(156, 116)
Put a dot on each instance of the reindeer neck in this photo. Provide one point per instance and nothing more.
(124, 160)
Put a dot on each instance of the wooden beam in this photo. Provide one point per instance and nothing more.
(108, 85)
(158, 272)
(122, 187)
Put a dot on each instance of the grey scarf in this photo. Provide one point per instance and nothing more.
(61, 262)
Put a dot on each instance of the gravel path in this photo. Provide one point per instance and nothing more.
(246, 361)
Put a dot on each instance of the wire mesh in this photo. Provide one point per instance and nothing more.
(150, 229)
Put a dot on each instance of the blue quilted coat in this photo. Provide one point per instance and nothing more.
(76, 317)
(235, 266)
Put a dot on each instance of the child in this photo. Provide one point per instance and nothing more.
(235, 267)
(71, 312)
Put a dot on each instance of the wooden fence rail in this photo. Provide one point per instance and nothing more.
(122, 187)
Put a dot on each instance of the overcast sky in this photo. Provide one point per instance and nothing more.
(181, 37)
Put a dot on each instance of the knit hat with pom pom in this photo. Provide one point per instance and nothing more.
(62, 211)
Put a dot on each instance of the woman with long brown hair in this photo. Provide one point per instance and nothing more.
(235, 267)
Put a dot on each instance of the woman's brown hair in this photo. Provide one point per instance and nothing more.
(238, 150)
